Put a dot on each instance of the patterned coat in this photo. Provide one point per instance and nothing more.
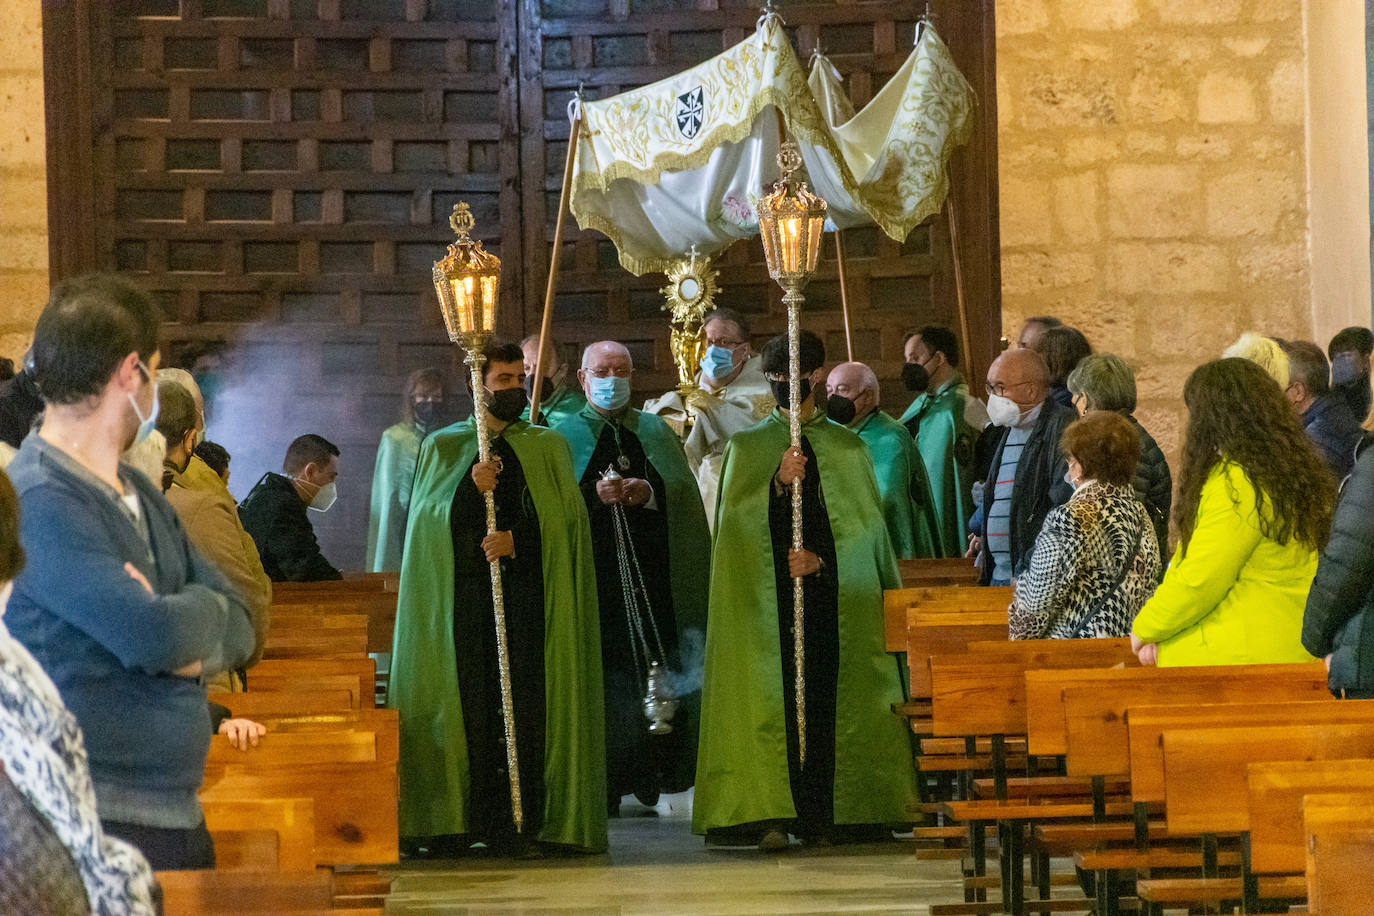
(1069, 590)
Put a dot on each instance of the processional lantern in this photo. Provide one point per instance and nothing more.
(791, 219)
(468, 279)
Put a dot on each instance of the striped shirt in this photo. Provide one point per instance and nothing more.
(998, 523)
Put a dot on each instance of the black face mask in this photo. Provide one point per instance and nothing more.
(545, 390)
(782, 389)
(840, 409)
(507, 404)
(915, 377)
(1357, 394)
(425, 413)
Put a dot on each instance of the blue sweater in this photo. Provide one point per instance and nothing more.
(108, 644)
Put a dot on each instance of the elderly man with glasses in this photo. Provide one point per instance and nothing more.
(1027, 475)
(732, 395)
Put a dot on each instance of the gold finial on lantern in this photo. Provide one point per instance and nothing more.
(468, 280)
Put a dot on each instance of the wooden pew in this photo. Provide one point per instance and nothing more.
(262, 834)
(377, 602)
(346, 763)
(899, 602)
(296, 635)
(213, 892)
(1339, 838)
(261, 704)
(1276, 791)
(958, 571)
(358, 676)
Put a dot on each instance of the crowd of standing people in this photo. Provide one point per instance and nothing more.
(648, 564)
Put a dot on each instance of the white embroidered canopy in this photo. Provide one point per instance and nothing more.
(682, 162)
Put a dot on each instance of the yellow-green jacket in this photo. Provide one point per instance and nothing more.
(1237, 598)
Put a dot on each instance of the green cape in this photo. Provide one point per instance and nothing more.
(945, 441)
(565, 401)
(908, 506)
(742, 771)
(391, 480)
(424, 679)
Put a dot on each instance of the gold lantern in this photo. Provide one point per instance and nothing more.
(791, 220)
(468, 280)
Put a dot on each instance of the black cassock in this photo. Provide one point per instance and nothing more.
(636, 762)
(474, 637)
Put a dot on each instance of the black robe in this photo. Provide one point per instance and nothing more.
(813, 785)
(474, 635)
(636, 762)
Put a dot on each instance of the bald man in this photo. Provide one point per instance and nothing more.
(559, 397)
(908, 506)
(649, 536)
(1026, 479)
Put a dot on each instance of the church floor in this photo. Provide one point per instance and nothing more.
(656, 865)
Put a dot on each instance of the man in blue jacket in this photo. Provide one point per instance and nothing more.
(114, 603)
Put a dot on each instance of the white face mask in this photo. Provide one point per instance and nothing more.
(5, 597)
(1003, 411)
(324, 496)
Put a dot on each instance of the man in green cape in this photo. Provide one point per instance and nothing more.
(444, 674)
(664, 531)
(858, 775)
(422, 405)
(945, 421)
(908, 506)
(560, 398)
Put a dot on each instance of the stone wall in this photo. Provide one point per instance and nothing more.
(1153, 183)
(23, 184)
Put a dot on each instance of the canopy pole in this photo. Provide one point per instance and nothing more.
(537, 388)
(844, 291)
(964, 343)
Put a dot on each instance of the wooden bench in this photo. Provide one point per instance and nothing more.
(897, 602)
(346, 763)
(376, 602)
(308, 635)
(355, 675)
(262, 834)
(958, 571)
(1276, 791)
(1339, 838)
(261, 704)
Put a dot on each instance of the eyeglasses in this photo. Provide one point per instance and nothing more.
(607, 373)
(724, 343)
(1000, 389)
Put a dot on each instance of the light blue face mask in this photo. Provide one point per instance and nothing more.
(610, 393)
(147, 424)
(718, 362)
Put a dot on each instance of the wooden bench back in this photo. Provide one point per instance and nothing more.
(983, 693)
(239, 826)
(1146, 725)
(1276, 792)
(356, 675)
(936, 633)
(958, 571)
(897, 602)
(212, 892)
(258, 704)
(1044, 692)
(1340, 847)
(1097, 740)
(1205, 788)
(378, 606)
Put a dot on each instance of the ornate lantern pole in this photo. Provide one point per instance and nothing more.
(790, 221)
(467, 280)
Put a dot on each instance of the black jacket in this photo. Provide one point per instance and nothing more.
(1038, 488)
(1339, 620)
(1155, 487)
(19, 404)
(1335, 432)
(274, 516)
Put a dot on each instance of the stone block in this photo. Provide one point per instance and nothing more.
(1038, 270)
(21, 41)
(1025, 211)
(1089, 149)
(1017, 154)
(1153, 201)
(1143, 143)
(1022, 17)
(1198, 12)
(1288, 93)
(1226, 97)
(24, 249)
(25, 201)
(1109, 326)
(1193, 329)
(1169, 268)
(1250, 202)
(21, 120)
(1165, 422)
(1156, 97)
(1159, 376)
(1208, 146)
(1075, 208)
(1096, 15)
(1246, 46)
(1276, 261)
(16, 343)
(1053, 99)
(1275, 10)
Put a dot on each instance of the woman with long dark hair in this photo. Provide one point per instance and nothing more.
(1254, 507)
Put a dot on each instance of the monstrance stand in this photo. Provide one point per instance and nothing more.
(467, 280)
(790, 222)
